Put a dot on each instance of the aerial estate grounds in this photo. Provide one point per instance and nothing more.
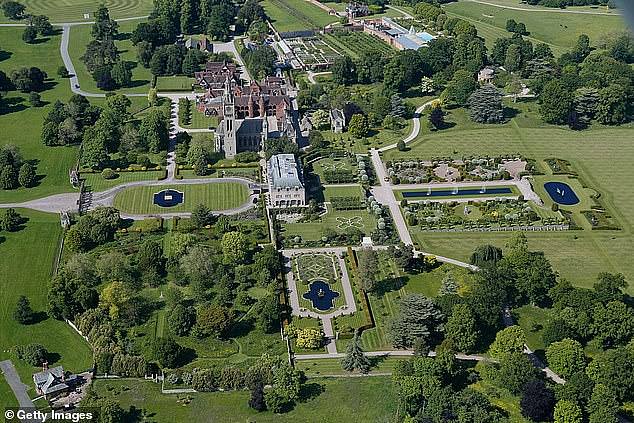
(578, 255)
(216, 196)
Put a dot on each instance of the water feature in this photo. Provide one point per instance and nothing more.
(561, 193)
(168, 198)
(457, 191)
(321, 295)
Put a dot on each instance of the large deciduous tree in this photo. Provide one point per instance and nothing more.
(485, 105)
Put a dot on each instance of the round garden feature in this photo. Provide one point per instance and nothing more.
(168, 198)
(320, 295)
(561, 193)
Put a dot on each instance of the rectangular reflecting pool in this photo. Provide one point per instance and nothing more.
(456, 191)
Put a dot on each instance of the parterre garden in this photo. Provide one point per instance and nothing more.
(577, 255)
(311, 267)
(312, 51)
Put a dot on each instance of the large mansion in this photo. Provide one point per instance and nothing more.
(250, 113)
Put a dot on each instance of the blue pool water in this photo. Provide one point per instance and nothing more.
(168, 198)
(459, 191)
(321, 295)
(561, 193)
(425, 36)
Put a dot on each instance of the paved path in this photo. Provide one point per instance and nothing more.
(415, 128)
(51, 204)
(229, 47)
(312, 75)
(547, 10)
(18, 388)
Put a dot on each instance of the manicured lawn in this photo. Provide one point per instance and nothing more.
(198, 120)
(21, 123)
(296, 15)
(328, 366)
(324, 267)
(74, 10)
(80, 37)
(395, 284)
(602, 156)
(97, 183)
(340, 400)
(340, 221)
(558, 29)
(532, 319)
(353, 191)
(174, 83)
(26, 260)
(216, 196)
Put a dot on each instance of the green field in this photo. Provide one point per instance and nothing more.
(216, 196)
(560, 30)
(74, 10)
(328, 366)
(174, 83)
(21, 123)
(80, 37)
(356, 43)
(602, 156)
(95, 182)
(296, 15)
(35, 248)
(340, 221)
(337, 400)
(198, 120)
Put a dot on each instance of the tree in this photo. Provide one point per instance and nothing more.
(614, 368)
(316, 140)
(344, 71)
(485, 105)
(355, 359)
(182, 319)
(28, 79)
(168, 353)
(104, 27)
(567, 412)
(33, 354)
(509, 340)
(154, 131)
(258, 31)
(613, 323)
(121, 74)
(257, 397)
(214, 321)
(448, 285)
(513, 58)
(29, 35)
(603, 405)
(150, 258)
(359, 126)
(515, 370)
(510, 25)
(555, 102)
(566, 357)
(486, 255)
(114, 296)
(418, 318)
(612, 105)
(93, 152)
(8, 177)
(202, 216)
(459, 88)
(23, 312)
(235, 247)
(219, 21)
(427, 85)
(42, 24)
(436, 116)
(13, 10)
(152, 97)
(320, 119)
(460, 329)
(609, 287)
(10, 220)
(401, 146)
(537, 401)
(368, 269)
(35, 99)
(251, 12)
(268, 314)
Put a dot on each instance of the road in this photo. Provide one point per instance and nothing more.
(18, 388)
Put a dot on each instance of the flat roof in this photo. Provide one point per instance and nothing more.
(284, 171)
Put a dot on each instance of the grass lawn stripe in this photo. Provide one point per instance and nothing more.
(216, 196)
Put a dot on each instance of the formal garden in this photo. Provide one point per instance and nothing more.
(340, 168)
(312, 51)
(490, 215)
(355, 43)
(465, 169)
(318, 269)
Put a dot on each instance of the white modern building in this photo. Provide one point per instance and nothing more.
(285, 182)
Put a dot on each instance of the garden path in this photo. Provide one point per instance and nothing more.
(19, 389)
